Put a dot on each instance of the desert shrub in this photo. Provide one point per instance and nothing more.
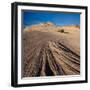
(62, 30)
(77, 26)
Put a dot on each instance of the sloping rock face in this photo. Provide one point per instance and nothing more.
(41, 26)
(49, 54)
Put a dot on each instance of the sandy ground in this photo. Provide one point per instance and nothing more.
(50, 52)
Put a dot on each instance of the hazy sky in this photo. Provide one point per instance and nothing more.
(58, 18)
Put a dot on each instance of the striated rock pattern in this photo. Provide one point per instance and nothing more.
(49, 54)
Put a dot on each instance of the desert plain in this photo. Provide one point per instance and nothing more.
(50, 50)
